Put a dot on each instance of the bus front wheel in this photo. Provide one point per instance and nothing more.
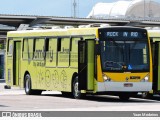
(124, 97)
(76, 92)
(147, 95)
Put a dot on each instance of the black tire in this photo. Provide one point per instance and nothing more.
(76, 93)
(147, 95)
(7, 87)
(124, 97)
(28, 87)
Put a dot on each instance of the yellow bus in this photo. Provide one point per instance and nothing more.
(155, 47)
(80, 61)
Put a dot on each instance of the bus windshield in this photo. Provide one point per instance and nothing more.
(132, 55)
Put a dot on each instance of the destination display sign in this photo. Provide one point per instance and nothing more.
(122, 33)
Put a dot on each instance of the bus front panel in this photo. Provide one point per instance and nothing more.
(124, 60)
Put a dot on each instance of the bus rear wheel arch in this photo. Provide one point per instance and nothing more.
(28, 86)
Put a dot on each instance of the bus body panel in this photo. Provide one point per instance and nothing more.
(124, 86)
(46, 75)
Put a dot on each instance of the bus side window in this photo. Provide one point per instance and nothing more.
(30, 48)
(74, 44)
(39, 49)
(74, 52)
(63, 52)
(25, 49)
(51, 52)
(65, 43)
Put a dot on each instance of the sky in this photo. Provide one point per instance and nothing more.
(62, 8)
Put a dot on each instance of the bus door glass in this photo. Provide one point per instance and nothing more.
(82, 65)
(86, 64)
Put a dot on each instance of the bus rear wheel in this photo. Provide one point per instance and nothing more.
(76, 92)
(28, 87)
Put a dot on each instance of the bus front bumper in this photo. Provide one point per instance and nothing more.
(124, 86)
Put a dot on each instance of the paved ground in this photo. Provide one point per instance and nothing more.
(15, 99)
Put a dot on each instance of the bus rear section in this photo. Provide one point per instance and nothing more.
(123, 64)
(154, 36)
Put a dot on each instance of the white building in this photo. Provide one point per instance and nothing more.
(126, 9)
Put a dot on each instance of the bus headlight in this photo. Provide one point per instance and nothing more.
(145, 79)
(106, 78)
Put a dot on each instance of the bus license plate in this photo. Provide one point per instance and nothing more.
(128, 85)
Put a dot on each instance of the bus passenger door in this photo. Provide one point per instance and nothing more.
(17, 63)
(156, 65)
(86, 64)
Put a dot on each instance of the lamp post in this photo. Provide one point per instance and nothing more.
(74, 8)
(144, 8)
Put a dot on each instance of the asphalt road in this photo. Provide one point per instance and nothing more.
(15, 99)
